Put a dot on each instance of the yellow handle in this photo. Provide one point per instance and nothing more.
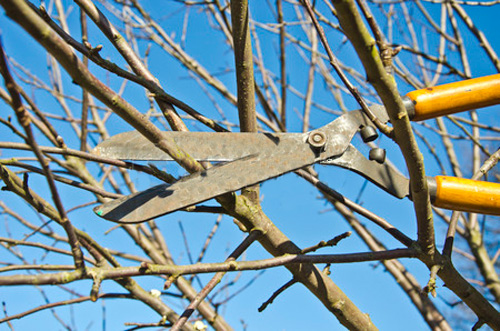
(467, 195)
(455, 97)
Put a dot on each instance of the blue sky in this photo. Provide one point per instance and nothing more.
(290, 202)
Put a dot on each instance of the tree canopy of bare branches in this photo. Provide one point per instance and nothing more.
(77, 72)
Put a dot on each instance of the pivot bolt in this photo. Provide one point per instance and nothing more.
(368, 133)
(377, 154)
(317, 139)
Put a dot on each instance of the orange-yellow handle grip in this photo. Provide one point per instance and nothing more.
(454, 98)
(466, 195)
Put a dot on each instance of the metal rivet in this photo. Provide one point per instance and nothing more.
(317, 139)
(368, 133)
(377, 154)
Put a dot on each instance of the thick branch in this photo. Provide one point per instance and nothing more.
(243, 59)
(229, 266)
(364, 44)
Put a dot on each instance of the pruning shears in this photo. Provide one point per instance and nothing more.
(250, 158)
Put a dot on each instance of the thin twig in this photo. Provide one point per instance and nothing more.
(254, 235)
(24, 120)
(335, 64)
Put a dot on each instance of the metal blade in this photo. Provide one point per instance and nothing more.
(213, 146)
(276, 154)
(202, 146)
(289, 155)
(384, 175)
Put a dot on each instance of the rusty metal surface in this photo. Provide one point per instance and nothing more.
(261, 157)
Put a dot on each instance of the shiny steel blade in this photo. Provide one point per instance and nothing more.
(202, 146)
